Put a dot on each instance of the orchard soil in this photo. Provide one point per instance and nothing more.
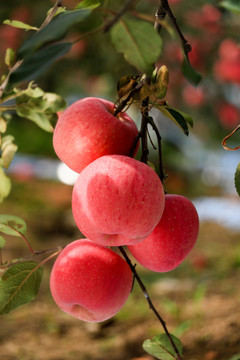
(200, 300)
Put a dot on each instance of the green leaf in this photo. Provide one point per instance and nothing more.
(12, 225)
(132, 38)
(36, 64)
(187, 117)
(161, 347)
(232, 5)
(178, 119)
(5, 185)
(41, 110)
(19, 285)
(19, 25)
(176, 116)
(237, 179)
(31, 91)
(235, 357)
(190, 73)
(8, 149)
(9, 57)
(88, 4)
(2, 242)
(55, 30)
(183, 327)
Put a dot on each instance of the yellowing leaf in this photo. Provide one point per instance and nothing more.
(8, 150)
(5, 185)
(19, 25)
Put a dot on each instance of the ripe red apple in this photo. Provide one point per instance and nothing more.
(87, 130)
(89, 281)
(172, 239)
(117, 200)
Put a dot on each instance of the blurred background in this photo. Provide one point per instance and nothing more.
(200, 299)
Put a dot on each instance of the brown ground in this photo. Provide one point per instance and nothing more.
(200, 301)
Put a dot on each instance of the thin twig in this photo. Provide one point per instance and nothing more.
(136, 140)
(151, 140)
(118, 16)
(159, 17)
(159, 139)
(186, 46)
(23, 237)
(92, 32)
(50, 16)
(19, 62)
(36, 253)
(5, 82)
(151, 306)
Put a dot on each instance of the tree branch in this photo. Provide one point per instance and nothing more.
(165, 8)
(50, 16)
(151, 306)
(159, 16)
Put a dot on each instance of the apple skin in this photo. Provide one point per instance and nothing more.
(87, 130)
(117, 200)
(89, 281)
(172, 239)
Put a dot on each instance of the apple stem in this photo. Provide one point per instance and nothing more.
(146, 119)
(159, 140)
(144, 131)
(151, 306)
(135, 144)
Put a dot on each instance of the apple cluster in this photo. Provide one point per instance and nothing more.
(116, 201)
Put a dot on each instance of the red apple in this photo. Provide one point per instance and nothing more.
(88, 129)
(228, 115)
(229, 50)
(117, 200)
(227, 67)
(227, 71)
(172, 239)
(89, 281)
(193, 96)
